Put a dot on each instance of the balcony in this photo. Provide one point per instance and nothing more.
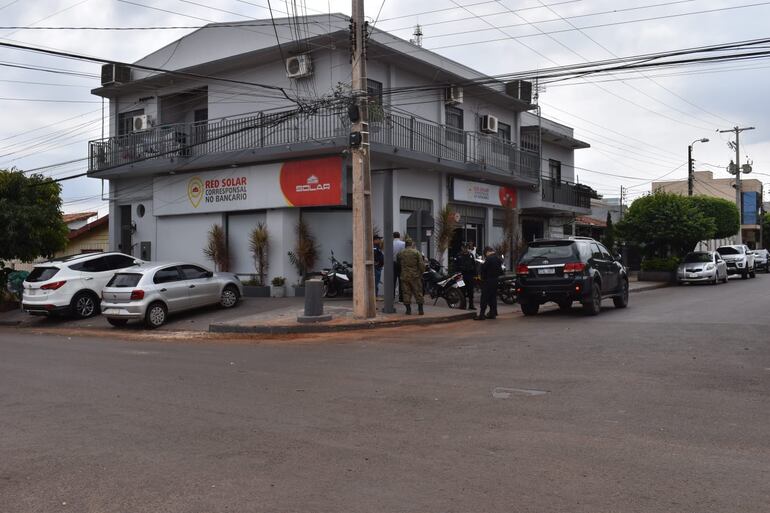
(264, 136)
(566, 193)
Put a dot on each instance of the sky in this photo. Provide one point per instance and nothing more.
(639, 125)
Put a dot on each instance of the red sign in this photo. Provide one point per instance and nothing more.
(312, 183)
(508, 197)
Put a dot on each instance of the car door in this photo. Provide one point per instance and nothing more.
(601, 265)
(94, 272)
(613, 269)
(203, 287)
(721, 266)
(173, 289)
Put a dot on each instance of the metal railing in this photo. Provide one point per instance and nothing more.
(566, 193)
(289, 127)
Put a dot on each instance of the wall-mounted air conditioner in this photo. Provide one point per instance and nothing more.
(299, 66)
(113, 74)
(453, 95)
(141, 123)
(520, 89)
(489, 124)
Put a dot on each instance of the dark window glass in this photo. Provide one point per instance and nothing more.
(596, 252)
(95, 265)
(126, 121)
(605, 254)
(504, 131)
(727, 250)
(193, 272)
(374, 91)
(166, 275)
(42, 274)
(554, 252)
(554, 169)
(454, 123)
(124, 280)
(118, 262)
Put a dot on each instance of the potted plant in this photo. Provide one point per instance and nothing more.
(259, 244)
(216, 248)
(304, 256)
(278, 288)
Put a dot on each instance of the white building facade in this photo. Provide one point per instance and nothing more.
(201, 144)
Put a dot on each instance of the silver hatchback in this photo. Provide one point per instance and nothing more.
(152, 291)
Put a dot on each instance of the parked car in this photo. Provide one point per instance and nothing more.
(702, 266)
(72, 284)
(762, 259)
(569, 270)
(739, 259)
(152, 291)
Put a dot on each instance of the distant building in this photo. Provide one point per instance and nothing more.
(705, 184)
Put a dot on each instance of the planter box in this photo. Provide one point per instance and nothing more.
(255, 291)
(665, 276)
(299, 291)
(278, 291)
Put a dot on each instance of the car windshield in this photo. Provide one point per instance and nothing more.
(729, 251)
(125, 280)
(697, 257)
(555, 252)
(42, 274)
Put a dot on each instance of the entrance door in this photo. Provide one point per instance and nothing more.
(531, 229)
(125, 230)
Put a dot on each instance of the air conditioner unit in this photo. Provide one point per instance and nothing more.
(113, 74)
(299, 66)
(489, 124)
(520, 89)
(141, 123)
(453, 95)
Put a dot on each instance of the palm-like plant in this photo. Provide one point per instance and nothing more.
(445, 229)
(305, 254)
(216, 248)
(259, 245)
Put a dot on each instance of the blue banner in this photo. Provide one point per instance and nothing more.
(750, 208)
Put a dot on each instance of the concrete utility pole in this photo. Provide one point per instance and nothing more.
(363, 257)
(738, 197)
(690, 168)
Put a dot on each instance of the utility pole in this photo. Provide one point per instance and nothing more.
(363, 257)
(690, 167)
(738, 196)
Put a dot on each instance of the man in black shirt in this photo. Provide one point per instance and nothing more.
(491, 270)
(466, 264)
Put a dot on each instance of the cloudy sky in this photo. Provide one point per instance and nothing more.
(639, 127)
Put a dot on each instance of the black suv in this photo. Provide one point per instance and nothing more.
(568, 270)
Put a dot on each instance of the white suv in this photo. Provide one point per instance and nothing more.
(739, 259)
(71, 285)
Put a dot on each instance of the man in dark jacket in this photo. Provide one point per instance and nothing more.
(491, 270)
(466, 264)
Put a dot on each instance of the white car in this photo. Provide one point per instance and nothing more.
(71, 285)
(739, 259)
(702, 266)
(762, 260)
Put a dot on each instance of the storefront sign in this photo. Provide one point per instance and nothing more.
(300, 183)
(484, 193)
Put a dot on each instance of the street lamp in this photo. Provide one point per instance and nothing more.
(690, 170)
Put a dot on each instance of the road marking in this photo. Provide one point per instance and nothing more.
(506, 393)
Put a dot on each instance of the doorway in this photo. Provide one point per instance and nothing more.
(532, 229)
(125, 230)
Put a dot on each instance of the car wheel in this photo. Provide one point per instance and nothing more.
(744, 275)
(715, 281)
(229, 297)
(565, 304)
(621, 300)
(118, 323)
(753, 273)
(155, 316)
(530, 308)
(594, 304)
(85, 305)
(455, 299)
(726, 278)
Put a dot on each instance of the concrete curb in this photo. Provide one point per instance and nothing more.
(10, 323)
(651, 286)
(332, 328)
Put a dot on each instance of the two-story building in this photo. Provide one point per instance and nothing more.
(196, 139)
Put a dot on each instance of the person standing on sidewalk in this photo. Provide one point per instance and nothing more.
(412, 266)
(466, 264)
(398, 247)
(379, 263)
(491, 270)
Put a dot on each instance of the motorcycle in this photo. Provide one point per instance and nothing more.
(506, 289)
(337, 279)
(438, 284)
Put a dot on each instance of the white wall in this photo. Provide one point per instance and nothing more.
(333, 231)
(182, 238)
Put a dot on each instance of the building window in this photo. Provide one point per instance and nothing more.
(504, 131)
(454, 123)
(374, 91)
(126, 121)
(554, 171)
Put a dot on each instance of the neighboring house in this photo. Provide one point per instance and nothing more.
(187, 152)
(705, 184)
(600, 207)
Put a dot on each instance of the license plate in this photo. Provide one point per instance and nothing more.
(692, 275)
(548, 270)
(460, 283)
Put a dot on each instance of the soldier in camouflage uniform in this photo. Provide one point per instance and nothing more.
(412, 267)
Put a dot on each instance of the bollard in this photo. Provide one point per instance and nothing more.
(314, 306)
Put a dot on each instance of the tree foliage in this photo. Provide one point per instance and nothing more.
(724, 213)
(31, 222)
(445, 230)
(305, 254)
(259, 245)
(609, 233)
(664, 224)
(216, 248)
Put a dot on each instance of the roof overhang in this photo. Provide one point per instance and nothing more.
(557, 138)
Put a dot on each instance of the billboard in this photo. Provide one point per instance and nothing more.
(751, 203)
(484, 193)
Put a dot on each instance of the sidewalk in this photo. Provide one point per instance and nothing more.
(634, 285)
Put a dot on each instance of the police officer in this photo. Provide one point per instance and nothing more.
(490, 271)
(466, 264)
(412, 266)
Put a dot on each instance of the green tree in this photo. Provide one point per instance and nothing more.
(724, 213)
(664, 224)
(766, 230)
(609, 233)
(31, 222)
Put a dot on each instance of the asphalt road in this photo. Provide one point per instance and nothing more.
(663, 407)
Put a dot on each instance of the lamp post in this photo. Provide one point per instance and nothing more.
(690, 170)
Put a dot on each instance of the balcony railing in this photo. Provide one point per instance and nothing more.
(237, 134)
(566, 193)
